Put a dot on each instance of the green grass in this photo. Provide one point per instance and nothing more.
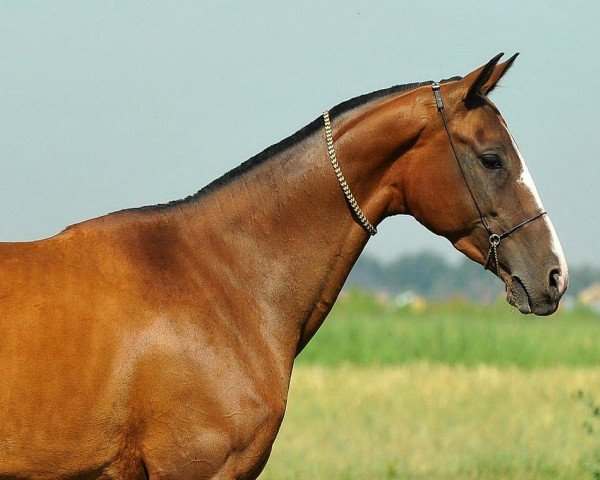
(443, 392)
(362, 332)
(430, 422)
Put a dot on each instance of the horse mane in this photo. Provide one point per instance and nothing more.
(288, 142)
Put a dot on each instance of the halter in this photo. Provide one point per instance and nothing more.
(494, 238)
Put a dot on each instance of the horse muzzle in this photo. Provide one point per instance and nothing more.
(537, 297)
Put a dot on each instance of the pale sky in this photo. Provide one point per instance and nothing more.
(106, 105)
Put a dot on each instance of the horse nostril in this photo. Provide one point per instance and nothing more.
(554, 277)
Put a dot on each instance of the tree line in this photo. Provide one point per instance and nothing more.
(432, 276)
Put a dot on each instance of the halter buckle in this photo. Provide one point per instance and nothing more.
(435, 86)
(495, 239)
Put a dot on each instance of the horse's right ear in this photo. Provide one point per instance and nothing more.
(476, 81)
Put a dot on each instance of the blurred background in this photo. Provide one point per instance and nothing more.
(108, 105)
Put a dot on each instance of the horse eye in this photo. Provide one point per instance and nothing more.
(491, 161)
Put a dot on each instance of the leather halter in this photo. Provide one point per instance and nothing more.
(494, 238)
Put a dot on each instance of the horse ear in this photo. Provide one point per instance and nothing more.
(498, 73)
(477, 80)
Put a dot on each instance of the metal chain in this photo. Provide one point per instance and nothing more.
(340, 176)
(494, 242)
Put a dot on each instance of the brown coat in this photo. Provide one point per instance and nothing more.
(159, 342)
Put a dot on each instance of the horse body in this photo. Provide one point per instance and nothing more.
(124, 369)
(162, 341)
(159, 342)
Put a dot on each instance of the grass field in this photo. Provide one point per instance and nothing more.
(436, 422)
(362, 332)
(450, 392)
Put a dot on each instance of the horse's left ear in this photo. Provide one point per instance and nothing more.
(483, 80)
(498, 73)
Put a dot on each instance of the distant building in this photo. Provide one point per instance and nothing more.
(590, 297)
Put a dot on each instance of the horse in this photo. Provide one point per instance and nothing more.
(158, 342)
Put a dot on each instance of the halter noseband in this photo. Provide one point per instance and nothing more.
(494, 238)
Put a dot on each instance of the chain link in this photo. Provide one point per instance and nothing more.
(340, 176)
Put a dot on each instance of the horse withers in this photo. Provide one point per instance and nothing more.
(158, 342)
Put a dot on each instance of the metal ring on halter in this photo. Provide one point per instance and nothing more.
(495, 239)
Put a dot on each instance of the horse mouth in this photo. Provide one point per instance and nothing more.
(517, 295)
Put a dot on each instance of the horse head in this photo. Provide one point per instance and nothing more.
(471, 185)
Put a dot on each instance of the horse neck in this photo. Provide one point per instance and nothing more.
(284, 228)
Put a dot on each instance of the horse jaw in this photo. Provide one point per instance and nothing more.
(516, 294)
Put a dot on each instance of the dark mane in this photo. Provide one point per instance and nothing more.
(288, 142)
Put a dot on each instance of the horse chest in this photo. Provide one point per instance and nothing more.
(228, 437)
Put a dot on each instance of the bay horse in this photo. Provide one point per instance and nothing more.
(158, 342)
